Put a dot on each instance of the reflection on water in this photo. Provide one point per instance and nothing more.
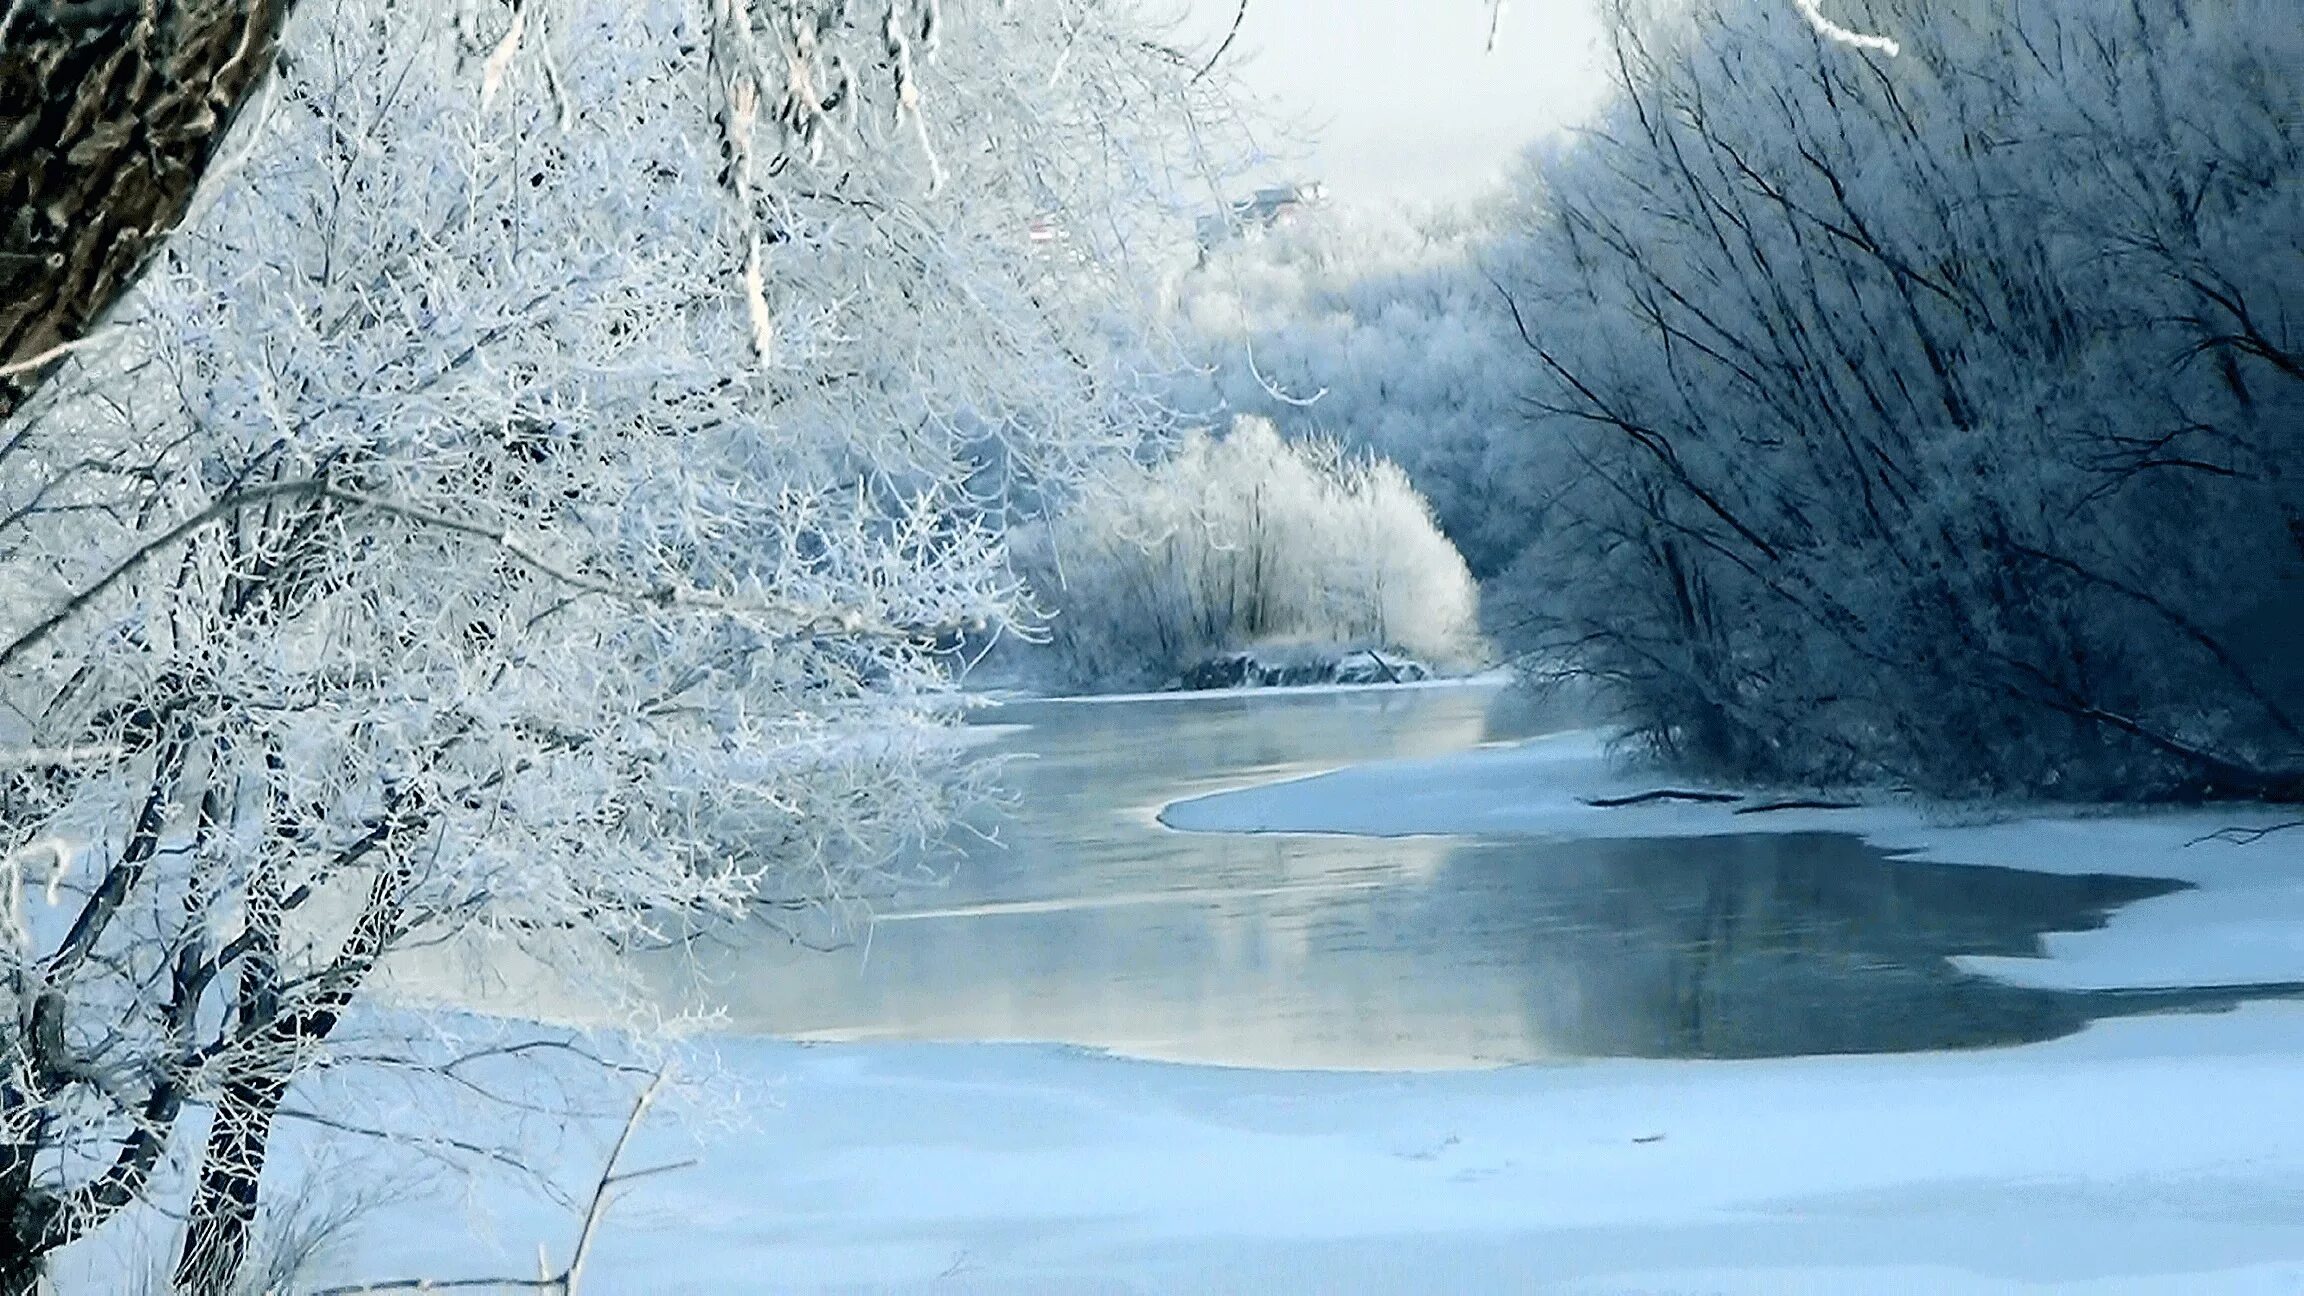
(1092, 925)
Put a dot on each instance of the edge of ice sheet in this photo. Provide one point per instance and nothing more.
(2243, 921)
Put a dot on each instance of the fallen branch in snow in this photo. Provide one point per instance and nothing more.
(1766, 807)
(2246, 836)
(1660, 794)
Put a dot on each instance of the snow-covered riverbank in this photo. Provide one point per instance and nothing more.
(2160, 1155)
(2149, 1155)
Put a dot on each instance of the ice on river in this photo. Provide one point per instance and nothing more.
(2149, 1154)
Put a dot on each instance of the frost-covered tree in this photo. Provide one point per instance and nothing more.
(118, 108)
(1378, 329)
(1939, 418)
(493, 524)
(1244, 540)
(113, 112)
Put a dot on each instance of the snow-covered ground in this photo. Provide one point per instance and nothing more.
(2155, 1154)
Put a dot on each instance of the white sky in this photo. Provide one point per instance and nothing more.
(1400, 96)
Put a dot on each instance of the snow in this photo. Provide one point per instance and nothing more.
(2154, 1155)
(2142, 1155)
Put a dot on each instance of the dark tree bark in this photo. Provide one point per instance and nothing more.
(110, 113)
(224, 1200)
(29, 1215)
(232, 1166)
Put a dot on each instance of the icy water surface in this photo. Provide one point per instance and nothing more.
(1090, 924)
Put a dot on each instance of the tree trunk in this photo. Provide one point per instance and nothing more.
(224, 1200)
(27, 1216)
(232, 1167)
(109, 116)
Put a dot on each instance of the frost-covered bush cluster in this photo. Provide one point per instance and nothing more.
(513, 517)
(1377, 329)
(1244, 540)
(1935, 419)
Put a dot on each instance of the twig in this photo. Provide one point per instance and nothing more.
(1660, 794)
(55, 353)
(2246, 836)
(567, 1281)
(609, 1179)
(450, 1284)
(1833, 31)
(1766, 807)
(1391, 676)
(1229, 37)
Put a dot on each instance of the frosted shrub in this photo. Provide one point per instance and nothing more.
(1379, 330)
(1243, 540)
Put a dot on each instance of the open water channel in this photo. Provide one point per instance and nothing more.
(1079, 919)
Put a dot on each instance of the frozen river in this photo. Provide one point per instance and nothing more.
(1082, 920)
(948, 1147)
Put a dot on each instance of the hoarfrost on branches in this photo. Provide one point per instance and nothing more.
(531, 511)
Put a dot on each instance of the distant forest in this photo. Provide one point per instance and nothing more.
(1931, 420)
